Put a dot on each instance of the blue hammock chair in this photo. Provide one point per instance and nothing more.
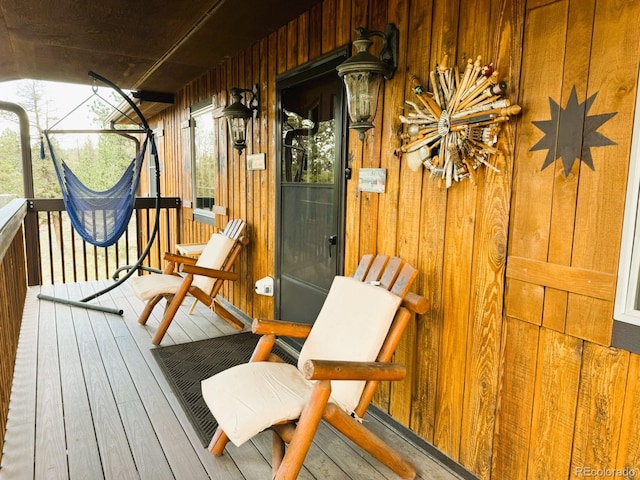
(99, 217)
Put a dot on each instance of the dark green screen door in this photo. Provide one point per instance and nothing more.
(311, 179)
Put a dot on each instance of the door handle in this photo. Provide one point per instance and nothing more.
(333, 240)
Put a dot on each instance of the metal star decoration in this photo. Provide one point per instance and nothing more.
(571, 133)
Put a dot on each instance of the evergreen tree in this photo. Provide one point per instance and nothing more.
(10, 164)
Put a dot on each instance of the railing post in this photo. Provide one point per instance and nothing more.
(32, 246)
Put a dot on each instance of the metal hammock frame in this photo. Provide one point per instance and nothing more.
(130, 269)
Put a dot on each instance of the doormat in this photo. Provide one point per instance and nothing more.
(187, 364)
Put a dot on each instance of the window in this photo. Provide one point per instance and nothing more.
(204, 160)
(626, 314)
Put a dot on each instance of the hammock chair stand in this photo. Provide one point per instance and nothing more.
(131, 269)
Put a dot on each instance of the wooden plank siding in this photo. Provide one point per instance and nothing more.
(510, 372)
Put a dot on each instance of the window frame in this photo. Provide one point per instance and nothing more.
(196, 110)
(626, 310)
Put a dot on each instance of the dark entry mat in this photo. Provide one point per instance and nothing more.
(187, 364)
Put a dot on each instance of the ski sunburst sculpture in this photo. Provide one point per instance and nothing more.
(454, 130)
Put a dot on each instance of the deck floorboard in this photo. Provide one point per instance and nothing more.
(90, 401)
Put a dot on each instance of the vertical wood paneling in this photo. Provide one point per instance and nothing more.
(315, 31)
(502, 374)
(259, 229)
(343, 22)
(428, 326)
(616, 92)
(328, 25)
(600, 405)
(292, 44)
(271, 164)
(490, 251)
(253, 142)
(529, 231)
(353, 218)
(456, 274)
(629, 445)
(554, 406)
(565, 190)
(399, 210)
(303, 38)
(518, 358)
(369, 225)
(372, 228)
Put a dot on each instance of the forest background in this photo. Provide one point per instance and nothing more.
(97, 159)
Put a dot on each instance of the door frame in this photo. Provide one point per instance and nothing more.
(315, 68)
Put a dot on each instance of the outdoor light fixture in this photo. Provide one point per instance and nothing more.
(363, 73)
(238, 115)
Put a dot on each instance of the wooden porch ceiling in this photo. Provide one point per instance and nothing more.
(147, 45)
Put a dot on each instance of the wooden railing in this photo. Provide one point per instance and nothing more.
(57, 254)
(39, 246)
(13, 291)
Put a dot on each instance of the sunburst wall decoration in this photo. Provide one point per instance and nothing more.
(454, 129)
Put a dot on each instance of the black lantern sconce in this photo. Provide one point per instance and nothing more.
(238, 115)
(363, 74)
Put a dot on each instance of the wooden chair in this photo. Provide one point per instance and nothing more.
(201, 278)
(345, 355)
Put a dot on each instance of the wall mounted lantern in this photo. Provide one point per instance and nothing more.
(238, 115)
(363, 73)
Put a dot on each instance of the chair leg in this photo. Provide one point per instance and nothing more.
(172, 308)
(169, 313)
(277, 453)
(218, 442)
(193, 306)
(305, 431)
(369, 442)
(144, 316)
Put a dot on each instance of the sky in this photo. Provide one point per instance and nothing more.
(62, 98)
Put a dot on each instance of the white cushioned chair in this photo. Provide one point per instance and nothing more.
(345, 355)
(201, 278)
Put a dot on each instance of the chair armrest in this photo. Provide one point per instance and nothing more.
(339, 370)
(277, 327)
(210, 272)
(175, 258)
(416, 303)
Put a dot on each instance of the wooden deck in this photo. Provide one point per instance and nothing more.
(89, 401)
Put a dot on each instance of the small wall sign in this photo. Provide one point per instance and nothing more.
(372, 180)
(257, 161)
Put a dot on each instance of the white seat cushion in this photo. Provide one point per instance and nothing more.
(351, 325)
(213, 256)
(251, 397)
(148, 286)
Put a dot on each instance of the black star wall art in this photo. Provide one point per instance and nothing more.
(571, 132)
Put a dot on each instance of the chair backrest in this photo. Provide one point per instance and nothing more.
(216, 252)
(355, 319)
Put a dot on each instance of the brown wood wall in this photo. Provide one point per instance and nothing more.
(510, 371)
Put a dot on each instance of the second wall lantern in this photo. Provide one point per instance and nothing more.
(238, 115)
(363, 74)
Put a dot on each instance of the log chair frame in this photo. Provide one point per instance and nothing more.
(181, 264)
(392, 274)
